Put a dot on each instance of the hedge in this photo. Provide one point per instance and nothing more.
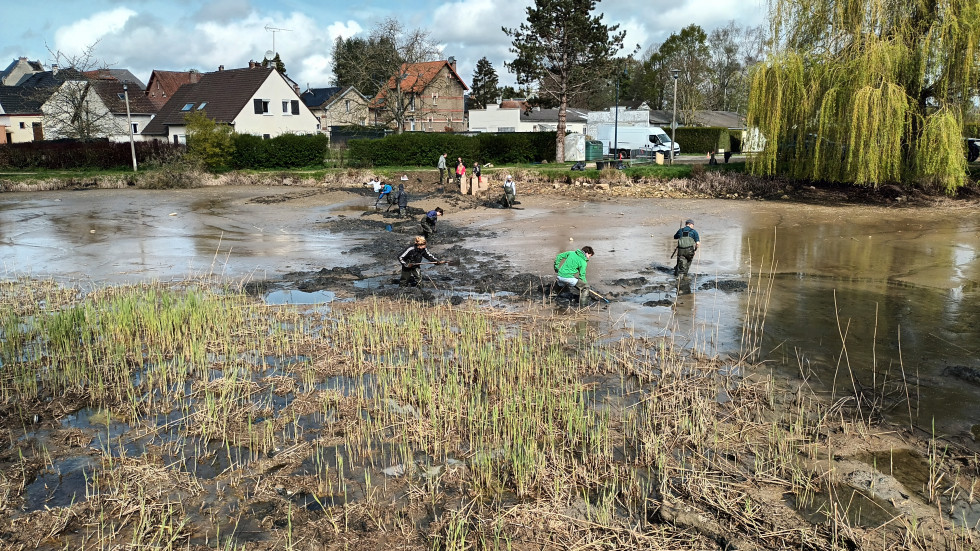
(284, 151)
(424, 149)
(702, 139)
(971, 130)
(77, 154)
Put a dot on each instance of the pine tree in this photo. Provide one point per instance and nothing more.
(566, 51)
(867, 91)
(485, 89)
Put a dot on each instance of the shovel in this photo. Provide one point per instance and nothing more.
(598, 296)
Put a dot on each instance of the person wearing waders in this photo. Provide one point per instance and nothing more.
(402, 200)
(428, 222)
(411, 261)
(688, 242)
(570, 271)
(510, 192)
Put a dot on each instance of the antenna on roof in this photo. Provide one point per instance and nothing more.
(274, 30)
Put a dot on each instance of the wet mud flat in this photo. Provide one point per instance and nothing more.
(196, 417)
(475, 412)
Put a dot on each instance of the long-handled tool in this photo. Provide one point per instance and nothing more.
(598, 296)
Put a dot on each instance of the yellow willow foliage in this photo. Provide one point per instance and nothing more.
(878, 129)
(940, 151)
(850, 88)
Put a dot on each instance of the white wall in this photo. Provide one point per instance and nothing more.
(275, 122)
(18, 134)
(493, 118)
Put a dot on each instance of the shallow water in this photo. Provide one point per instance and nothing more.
(889, 294)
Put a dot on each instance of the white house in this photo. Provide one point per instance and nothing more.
(517, 116)
(255, 100)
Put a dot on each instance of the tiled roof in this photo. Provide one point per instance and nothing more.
(225, 92)
(418, 76)
(111, 92)
(164, 84)
(18, 100)
(551, 115)
(315, 97)
(50, 79)
(122, 75)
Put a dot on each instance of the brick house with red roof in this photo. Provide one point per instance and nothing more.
(430, 99)
(163, 84)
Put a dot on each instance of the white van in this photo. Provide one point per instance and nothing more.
(647, 139)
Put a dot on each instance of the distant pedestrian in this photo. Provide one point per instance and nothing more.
(688, 243)
(510, 192)
(402, 200)
(460, 170)
(441, 165)
(476, 172)
(428, 222)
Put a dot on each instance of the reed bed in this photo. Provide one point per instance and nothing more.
(227, 423)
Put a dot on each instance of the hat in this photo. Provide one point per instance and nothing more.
(508, 176)
(689, 221)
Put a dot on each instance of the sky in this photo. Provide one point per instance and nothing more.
(179, 35)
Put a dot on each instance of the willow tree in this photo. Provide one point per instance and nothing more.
(867, 91)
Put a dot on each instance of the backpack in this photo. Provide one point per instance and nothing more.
(686, 241)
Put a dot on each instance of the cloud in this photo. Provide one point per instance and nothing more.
(75, 38)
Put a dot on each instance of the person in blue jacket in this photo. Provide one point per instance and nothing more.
(385, 193)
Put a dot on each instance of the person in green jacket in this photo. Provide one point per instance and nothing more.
(570, 269)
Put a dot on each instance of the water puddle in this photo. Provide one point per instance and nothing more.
(61, 484)
(859, 508)
(293, 296)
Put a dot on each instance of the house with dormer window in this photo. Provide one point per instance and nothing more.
(254, 100)
(422, 97)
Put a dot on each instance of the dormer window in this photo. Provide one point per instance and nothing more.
(121, 96)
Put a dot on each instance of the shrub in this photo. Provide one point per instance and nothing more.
(76, 154)
(702, 139)
(285, 151)
(424, 149)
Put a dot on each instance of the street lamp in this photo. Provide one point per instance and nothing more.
(129, 123)
(673, 123)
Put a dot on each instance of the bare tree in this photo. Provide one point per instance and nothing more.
(383, 67)
(72, 108)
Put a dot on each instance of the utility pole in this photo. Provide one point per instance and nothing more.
(129, 123)
(673, 123)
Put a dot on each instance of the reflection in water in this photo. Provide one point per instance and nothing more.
(881, 292)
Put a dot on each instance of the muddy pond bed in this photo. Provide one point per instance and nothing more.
(191, 417)
(229, 376)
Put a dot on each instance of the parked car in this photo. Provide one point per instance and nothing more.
(972, 149)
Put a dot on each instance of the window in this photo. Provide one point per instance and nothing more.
(294, 106)
(136, 128)
(435, 96)
(187, 107)
(411, 103)
(203, 103)
(285, 107)
(347, 105)
(266, 137)
(121, 95)
(23, 125)
(261, 106)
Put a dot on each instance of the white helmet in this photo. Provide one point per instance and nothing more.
(508, 176)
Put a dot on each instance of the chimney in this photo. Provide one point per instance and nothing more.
(54, 69)
(195, 76)
(452, 62)
(221, 67)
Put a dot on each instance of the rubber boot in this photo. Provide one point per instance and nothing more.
(584, 299)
